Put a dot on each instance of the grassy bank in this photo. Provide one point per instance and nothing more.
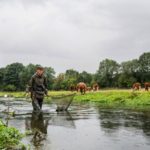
(23, 94)
(116, 98)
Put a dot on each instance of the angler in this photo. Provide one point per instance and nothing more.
(38, 88)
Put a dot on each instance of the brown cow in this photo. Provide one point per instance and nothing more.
(95, 87)
(147, 85)
(81, 87)
(136, 86)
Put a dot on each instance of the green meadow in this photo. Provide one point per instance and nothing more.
(118, 98)
(111, 98)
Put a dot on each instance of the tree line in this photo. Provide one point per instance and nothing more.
(110, 74)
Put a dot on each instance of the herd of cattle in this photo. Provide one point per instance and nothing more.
(82, 87)
(137, 86)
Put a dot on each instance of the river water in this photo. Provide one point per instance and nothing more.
(83, 127)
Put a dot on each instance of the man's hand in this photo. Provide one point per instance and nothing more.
(46, 92)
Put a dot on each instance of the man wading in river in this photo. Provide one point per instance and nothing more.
(38, 88)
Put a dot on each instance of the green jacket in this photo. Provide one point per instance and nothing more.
(38, 84)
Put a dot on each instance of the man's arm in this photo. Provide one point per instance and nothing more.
(45, 85)
(31, 84)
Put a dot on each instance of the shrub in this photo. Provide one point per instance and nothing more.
(9, 137)
(9, 87)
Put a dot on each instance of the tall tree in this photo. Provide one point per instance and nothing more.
(26, 74)
(49, 72)
(107, 72)
(85, 77)
(2, 71)
(71, 78)
(128, 73)
(144, 61)
(12, 75)
(59, 82)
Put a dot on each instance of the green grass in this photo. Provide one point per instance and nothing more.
(118, 98)
(115, 98)
(13, 94)
(23, 94)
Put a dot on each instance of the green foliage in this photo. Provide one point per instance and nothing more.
(26, 75)
(2, 70)
(9, 137)
(117, 98)
(9, 87)
(111, 74)
(108, 70)
(144, 61)
(58, 82)
(49, 73)
(70, 78)
(12, 74)
(130, 67)
(85, 77)
(126, 81)
(16, 76)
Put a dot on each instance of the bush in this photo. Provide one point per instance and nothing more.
(9, 87)
(9, 137)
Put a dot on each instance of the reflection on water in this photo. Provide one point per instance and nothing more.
(84, 127)
(38, 126)
(63, 119)
(113, 120)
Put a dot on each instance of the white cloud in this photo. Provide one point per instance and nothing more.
(73, 33)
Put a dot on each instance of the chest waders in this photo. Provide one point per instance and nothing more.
(38, 92)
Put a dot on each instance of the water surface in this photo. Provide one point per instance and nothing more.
(83, 127)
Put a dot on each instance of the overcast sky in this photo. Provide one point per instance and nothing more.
(74, 34)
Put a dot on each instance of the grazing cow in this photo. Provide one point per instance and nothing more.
(136, 86)
(95, 87)
(81, 87)
(147, 85)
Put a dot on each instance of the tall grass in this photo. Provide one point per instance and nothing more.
(119, 98)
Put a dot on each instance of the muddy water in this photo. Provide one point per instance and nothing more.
(84, 127)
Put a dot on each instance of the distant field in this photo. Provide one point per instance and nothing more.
(111, 98)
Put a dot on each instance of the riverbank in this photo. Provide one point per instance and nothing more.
(110, 98)
(118, 98)
(23, 94)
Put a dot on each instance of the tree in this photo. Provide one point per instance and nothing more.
(130, 67)
(49, 72)
(59, 82)
(85, 77)
(2, 70)
(29, 71)
(70, 73)
(70, 78)
(126, 81)
(128, 73)
(26, 75)
(107, 72)
(144, 61)
(12, 75)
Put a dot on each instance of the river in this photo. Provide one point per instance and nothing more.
(83, 127)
